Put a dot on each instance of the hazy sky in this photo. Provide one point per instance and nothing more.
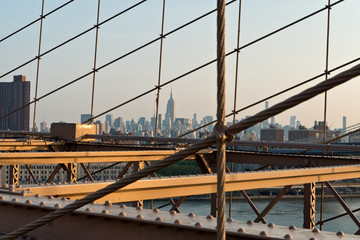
(283, 60)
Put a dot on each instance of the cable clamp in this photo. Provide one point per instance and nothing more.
(37, 57)
(237, 50)
(327, 6)
(327, 72)
(95, 69)
(97, 26)
(42, 17)
(162, 36)
(235, 112)
(157, 87)
(223, 134)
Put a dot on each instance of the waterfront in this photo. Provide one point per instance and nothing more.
(287, 212)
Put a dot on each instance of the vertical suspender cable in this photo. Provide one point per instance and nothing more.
(95, 58)
(325, 104)
(159, 76)
(235, 89)
(38, 64)
(220, 128)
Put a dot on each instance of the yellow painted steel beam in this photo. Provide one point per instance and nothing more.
(201, 184)
(85, 157)
(26, 145)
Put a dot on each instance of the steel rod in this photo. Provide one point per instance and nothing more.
(95, 58)
(36, 20)
(38, 65)
(159, 74)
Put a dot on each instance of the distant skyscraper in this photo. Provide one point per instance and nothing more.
(109, 120)
(170, 111)
(344, 122)
(292, 121)
(12, 96)
(85, 117)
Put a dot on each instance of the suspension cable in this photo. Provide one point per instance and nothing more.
(40, 18)
(234, 129)
(173, 80)
(235, 90)
(274, 95)
(159, 75)
(38, 64)
(95, 58)
(71, 39)
(325, 106)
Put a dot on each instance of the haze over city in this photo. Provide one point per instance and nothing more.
(292, 56)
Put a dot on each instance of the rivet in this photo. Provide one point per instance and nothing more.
(192, 215)
(315, 230)
(292, 227)
(2, 198)
(198, 224)
(58, 183)
(42, 204)
(156, 210)
(123, 214)
(263, 233)
(177, 221)
(57, 205)
(53, 183)
(50, 197)
(108, 203)
(17, 186)
(210, 217)
(15, 200)
(288, 236)
(40, 184)
(63, 199)
(340, 233)
(105, 211)
(37, 195)
(5, 186)
(47, 184)
(312, 238)
(271, 225)
(28, 201)
(64, 183)
(158, 219)
(88, 210)
(23, 193)
(241, 230)
(139, 208)
(122, 206)
(12, 190)
(229, 220)
(140, 216)
(250, 222)
(173, 212)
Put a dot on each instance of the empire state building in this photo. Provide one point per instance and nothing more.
(170, 112)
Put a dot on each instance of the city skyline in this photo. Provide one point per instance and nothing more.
(265, 68)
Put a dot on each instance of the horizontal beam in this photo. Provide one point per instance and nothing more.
(333, 147)
(27, 145)
(85, 157)
(201, 184)
(276, 159)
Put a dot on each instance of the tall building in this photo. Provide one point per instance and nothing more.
(272, 134)
(85, 117)
(292, 121)
(12, 96)
(344, 122)
(170, 112)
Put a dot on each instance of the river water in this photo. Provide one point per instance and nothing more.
(286, 212)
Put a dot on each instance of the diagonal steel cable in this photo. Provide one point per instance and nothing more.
(236, 128)
(73, 38)
(109, 63)
(35, 21)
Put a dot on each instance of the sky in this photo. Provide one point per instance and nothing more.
(267, 67)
